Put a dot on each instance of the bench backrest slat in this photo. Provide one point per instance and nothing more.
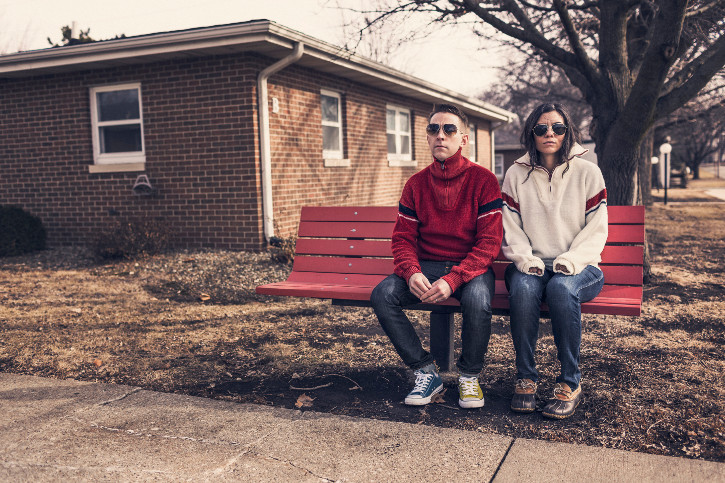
(360, 248)
(377, 266)
(345, 229)
(625, 233)
(633, 215)
(348, 213)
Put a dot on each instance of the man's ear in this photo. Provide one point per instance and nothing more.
(464, 140)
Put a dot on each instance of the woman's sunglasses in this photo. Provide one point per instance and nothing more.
(449, 129)
(541, 129)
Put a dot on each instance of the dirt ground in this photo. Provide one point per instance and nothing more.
(190, 322)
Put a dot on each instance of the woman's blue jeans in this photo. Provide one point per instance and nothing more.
(392, 295)
(564, 295)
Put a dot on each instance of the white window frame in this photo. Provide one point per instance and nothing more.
(334, 158)
(110, 162)
(472, 143)
(498, 162)
(398, 159)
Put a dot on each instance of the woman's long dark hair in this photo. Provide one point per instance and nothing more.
(527, 135)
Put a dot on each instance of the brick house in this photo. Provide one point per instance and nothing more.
(84, 127)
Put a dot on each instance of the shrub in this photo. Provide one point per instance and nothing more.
(133, 238)
(282, 250)
(20, 232)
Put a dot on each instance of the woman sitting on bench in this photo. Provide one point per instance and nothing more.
(555, 227)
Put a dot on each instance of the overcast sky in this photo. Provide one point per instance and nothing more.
(452, 60)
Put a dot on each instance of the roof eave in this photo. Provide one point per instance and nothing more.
(261, 36)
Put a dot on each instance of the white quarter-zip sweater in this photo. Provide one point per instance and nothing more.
(550, 218)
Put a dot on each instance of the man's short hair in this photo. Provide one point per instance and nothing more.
(450, 108)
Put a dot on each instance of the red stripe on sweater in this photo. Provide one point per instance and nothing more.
(510, 201)
(595, 200)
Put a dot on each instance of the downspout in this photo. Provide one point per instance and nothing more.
(264, 138)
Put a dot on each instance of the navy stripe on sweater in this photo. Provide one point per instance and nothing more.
(407, 211)
(490, 206)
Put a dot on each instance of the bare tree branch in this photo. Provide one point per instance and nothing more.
(698, 73)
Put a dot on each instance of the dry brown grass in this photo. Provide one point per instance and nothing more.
(653, 383)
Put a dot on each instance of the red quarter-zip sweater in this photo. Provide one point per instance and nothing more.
(449, 211)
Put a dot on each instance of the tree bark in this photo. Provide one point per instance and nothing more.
(645, 170)
(619, 168)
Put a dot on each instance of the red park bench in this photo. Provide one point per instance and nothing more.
(343, 252)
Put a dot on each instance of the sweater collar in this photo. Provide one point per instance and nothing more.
(451, 167)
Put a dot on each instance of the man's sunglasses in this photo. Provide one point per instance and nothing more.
(449, 129)
(542, 129)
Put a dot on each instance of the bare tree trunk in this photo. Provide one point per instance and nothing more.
(645, 170)
(646, 266)
(619, 171)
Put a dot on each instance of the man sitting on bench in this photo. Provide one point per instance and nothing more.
(446, 237)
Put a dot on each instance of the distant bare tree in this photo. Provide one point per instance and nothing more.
(697, 128)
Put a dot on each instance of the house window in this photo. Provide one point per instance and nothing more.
(398, 131)
(472, 143)
(332, 147)
(117, 123)
(498, 166)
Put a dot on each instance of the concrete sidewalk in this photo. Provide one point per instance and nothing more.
(60, 430)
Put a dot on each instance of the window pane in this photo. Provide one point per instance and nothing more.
(498, 165)
(330, 138)
(390, 121)
(404, 145)
(118, 105)
(404, 121)
(120, 139)
(391, 144)
(330, 108)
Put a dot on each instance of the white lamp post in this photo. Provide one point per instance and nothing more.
(665, 151)
(656, 160)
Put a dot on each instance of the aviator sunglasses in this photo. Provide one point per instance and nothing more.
(448, 129)
(541, 129)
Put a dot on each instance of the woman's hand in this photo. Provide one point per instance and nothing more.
(561, 268)
(536, 271)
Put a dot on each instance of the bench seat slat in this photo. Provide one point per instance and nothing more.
(315, 278)
(605, 303)
(322, 288)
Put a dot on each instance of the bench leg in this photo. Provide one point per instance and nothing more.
(441, 339)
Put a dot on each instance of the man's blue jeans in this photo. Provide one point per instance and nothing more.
(392, 295)
(564, 295)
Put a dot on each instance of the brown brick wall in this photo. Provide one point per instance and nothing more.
(299, 175)
(202, 144)
(200, 138)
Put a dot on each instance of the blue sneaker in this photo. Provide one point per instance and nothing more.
(426, 386)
